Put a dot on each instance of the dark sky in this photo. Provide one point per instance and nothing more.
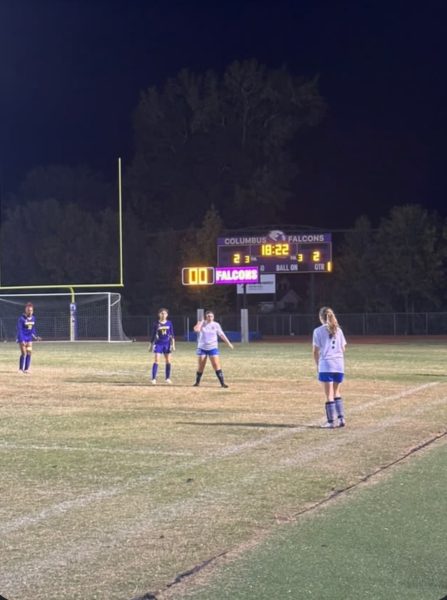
(72, 70)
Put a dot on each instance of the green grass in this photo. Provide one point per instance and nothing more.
(112, 487)
(384, 542)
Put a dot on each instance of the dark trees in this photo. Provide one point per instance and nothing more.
(206, 140)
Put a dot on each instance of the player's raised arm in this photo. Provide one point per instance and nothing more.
(198, 326)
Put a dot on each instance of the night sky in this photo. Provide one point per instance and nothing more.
(72, 71)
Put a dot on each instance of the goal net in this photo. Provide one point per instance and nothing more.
(94, 316)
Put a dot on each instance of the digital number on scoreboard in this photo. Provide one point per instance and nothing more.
(278, 252)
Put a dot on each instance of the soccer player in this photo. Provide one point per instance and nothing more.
(208, 332)
(328, 351)
(162, 342)
(26, 334)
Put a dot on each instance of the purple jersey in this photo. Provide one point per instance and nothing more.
(162, 332)
(26, 329)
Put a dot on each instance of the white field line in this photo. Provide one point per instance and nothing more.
(33, 572)
(354, 435)
(90, 450)
(228, 451)
(83, 501)
(399, 396)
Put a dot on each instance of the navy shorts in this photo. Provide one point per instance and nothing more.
(331, 377)
(162, 347)
(212, 352)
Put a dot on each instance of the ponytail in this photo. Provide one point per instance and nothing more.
(328, 318)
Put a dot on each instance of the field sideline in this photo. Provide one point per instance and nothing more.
(113, 488)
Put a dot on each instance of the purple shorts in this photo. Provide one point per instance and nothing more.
(162, 347)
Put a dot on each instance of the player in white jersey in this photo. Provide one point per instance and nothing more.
(329, 345)
(208, 332)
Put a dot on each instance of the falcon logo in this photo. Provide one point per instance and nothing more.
(276, 235)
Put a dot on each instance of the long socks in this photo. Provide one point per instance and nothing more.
(27, 361)
(168, 371)
(339, 408)
(154, 370)
(330, 412)
(220, 377)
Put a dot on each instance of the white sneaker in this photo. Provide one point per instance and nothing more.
(154, 382)
(168, 381)
(327, 425)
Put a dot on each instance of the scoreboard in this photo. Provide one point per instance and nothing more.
(277, 252)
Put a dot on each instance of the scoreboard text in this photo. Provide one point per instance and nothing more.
(278, 252)
(198, 275)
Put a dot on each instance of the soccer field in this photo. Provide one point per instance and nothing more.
(113, 488)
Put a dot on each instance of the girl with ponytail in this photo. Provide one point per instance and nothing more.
(329, 345)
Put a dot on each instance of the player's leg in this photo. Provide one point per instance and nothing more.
(338, 401)
(201, 362)
(155, 367)
(330, 404)
(22, 359)
(215, 361)
(168, 366)
(29, 350)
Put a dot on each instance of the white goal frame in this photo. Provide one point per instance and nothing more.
(84, 316)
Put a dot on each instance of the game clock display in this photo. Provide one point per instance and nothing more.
(293, 253)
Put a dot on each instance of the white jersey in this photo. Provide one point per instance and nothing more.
(332, 358)
(207, 338)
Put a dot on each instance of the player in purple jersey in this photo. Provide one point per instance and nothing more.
(26, 334)
(162, 342)
(328, 351)
(208, 332)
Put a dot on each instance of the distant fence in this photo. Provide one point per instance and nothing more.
(263, 325)
(289, 324)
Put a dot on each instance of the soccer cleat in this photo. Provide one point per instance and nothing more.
(168, 381)
(196, 384)
(327, 425)
(21, 371)
(27, 372)
(341, 422)
(224, 385)
(154, 382)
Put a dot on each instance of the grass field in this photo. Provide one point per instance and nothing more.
(116, 489)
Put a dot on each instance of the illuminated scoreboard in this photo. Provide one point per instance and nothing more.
(277, 252)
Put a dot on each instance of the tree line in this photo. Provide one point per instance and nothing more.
(212, 153)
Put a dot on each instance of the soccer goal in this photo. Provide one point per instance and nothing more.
(94, 316)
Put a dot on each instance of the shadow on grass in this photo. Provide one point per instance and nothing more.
(111, 382)
(432, 375)
(222, 424)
